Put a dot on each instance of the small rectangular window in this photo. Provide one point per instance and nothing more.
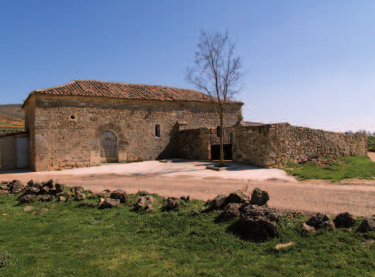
(218, 131)
(157, 130)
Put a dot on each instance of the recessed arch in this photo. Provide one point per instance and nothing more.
(108, 147)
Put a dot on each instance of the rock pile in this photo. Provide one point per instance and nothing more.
(256, 220)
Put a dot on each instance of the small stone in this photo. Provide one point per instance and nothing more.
(77, 188)
(185, 198)
(104, 194)
(4, 187)
(102, 200)
(368, 224)
(28, 209)
(30, 184)
(17, 187)
(59, 187)
(149, 208)
(119, 194)
(81, 197)
(37, 185)
(232, 210)
(173, 203)
(49, 184)
(237, 197)
(259, 197)
(109, 203)
(280, 246)
(344, 220)
(308, 229)
(218, 202)
(44, 190)
(33, 190)
(320, 221)
(143, 201)
(61, 199)
(46, 198)
(26, 199)
(369, 242)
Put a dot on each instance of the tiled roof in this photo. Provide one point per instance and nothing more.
(125, 91)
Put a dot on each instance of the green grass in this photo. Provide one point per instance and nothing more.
(342, 168)
(73, 240)
(371, 143)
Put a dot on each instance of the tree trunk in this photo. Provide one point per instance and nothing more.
(221, 139)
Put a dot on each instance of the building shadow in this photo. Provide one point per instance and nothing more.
(15, 171)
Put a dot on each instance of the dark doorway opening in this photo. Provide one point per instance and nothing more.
(215, 151)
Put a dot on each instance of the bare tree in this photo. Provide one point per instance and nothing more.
(216, 72)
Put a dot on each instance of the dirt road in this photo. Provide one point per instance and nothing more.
(356, 197)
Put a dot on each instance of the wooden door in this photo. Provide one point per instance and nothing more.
(108, 147)
(22, 146)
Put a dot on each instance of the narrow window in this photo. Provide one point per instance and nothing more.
(218, 133)
(157, 130)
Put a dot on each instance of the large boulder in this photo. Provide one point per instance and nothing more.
(26, 199)
(109, 203)
(259, 197)
(119, 194)
(344, 220)
(143, 201)
(368, 224)
(259, 222)
(173, 203)
(218, 202)
(320, 221)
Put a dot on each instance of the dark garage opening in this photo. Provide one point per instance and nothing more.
(215, 151)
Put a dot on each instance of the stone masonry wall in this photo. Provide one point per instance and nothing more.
(273, 144)
(8, 150)
(194, 144)
(251, 144)
(64, 142)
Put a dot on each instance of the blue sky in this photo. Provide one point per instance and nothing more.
(309, 63)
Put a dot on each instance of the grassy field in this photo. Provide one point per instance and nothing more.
(371, 143)
(333, 170)
(71, 239)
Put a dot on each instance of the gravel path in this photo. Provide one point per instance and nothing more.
(354, 196)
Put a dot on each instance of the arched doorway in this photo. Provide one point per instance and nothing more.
(108, 147)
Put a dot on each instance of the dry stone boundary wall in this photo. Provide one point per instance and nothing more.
(273, 144)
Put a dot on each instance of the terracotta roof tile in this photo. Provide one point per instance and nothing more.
(125, 91)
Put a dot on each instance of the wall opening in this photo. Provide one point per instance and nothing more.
(215, 151)
(157, 130)
(108, 147)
